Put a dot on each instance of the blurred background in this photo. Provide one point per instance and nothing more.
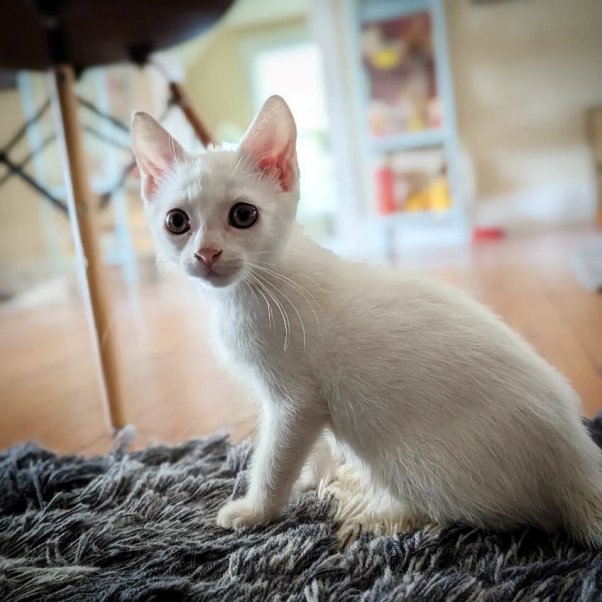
(458, 137)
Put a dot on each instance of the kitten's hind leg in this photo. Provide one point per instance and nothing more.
(320, 466)
(362, 507)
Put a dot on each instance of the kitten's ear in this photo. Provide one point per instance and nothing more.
(155, 150)
(270, 142)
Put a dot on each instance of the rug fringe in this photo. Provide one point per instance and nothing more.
(123, 440)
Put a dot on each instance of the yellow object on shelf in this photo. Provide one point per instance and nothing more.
(434, 197)
(440, 197)
(386, 58)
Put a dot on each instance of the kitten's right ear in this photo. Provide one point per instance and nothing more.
(270, 142)
(155, 150)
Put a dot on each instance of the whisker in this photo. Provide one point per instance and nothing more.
(299, 290)
(267, 267)
(276, 289)
(251, 279)
(281, 308)
(248, 283)
(297, 287)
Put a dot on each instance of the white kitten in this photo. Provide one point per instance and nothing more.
(448, 412)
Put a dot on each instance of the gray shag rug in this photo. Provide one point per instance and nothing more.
(140, 527)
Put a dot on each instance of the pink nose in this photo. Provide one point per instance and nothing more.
(208, 256)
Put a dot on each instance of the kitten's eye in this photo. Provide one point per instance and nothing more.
(243, 215)
(177, 222)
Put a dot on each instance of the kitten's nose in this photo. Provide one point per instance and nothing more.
(208, 256)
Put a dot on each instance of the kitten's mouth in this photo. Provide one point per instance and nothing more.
(213, 276)
(216, 278)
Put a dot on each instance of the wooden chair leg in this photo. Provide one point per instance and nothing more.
(180, 98)
(82, 214)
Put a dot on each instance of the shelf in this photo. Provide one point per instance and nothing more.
(422, 139)
(390, 9)
(418, 216)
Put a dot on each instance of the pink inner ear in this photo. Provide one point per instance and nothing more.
(152, 169)
(149, 186)
(281, 166)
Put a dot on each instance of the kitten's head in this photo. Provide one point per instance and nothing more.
(216, 214)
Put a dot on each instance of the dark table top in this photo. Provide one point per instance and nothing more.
(99, 32)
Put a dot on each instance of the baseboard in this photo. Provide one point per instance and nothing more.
(541, 207)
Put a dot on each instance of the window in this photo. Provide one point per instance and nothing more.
(293, 70)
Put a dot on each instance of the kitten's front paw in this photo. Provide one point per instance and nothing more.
(241, 513)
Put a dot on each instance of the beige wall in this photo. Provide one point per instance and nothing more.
(217, 77)
(24, 239)
(524, 73)
(217, 82)
(20, 229)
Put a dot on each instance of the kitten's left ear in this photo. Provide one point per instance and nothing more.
(155, 150)
(270, 142)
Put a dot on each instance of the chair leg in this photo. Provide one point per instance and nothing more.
(180, 98)
(82, 214)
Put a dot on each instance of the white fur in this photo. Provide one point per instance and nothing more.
(449, 414)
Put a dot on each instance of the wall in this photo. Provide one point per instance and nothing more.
(217, 83)
(20, 228)
(216, 74)
(524, 73)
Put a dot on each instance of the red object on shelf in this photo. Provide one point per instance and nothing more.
(385, 190)
(480, 234)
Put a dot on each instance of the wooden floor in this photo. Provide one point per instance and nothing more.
(174, 388)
